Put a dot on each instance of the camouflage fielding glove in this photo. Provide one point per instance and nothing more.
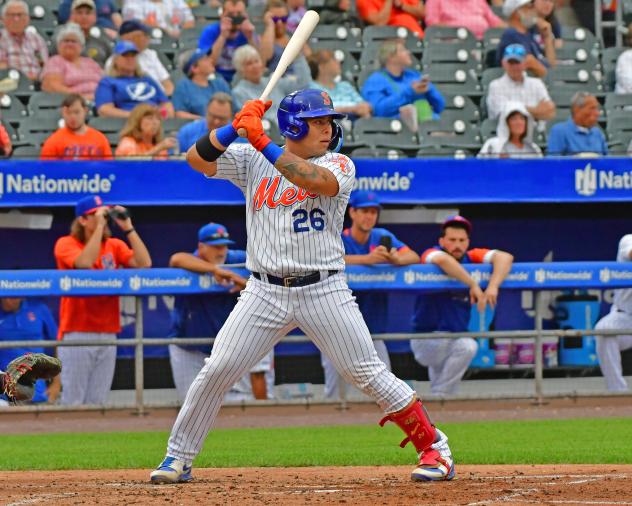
(18, 381)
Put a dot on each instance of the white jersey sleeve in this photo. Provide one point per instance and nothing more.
(233, 164)
(342, 167)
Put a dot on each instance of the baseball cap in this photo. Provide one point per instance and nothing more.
(88, 205)
(510, 6)
(196, 56)
(83, 3)
(214, 234)
(456, 219)
(363, 198)
(515, 52)
(133, 25)
(125, 46)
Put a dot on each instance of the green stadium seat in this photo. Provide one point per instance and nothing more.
(439, 52)
(463, 104)
(451, 35)
(384, 153)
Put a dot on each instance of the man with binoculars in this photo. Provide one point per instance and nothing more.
(222, 39)
(87, 374)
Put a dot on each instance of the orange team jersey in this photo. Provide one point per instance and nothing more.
(64, 144)
(131, 147)
(397, 18)
(90, 314)
(473, 256)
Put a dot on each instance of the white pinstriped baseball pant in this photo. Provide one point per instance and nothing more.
(609, 349)
(326, 312)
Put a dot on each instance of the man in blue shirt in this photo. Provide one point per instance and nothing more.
(365, 244)
(222, 39)
(580, 133)
(396, 85)
(108, 15)
(219, 112)
(193, 93)
(204, 315)
(27, 320)
(521, 18)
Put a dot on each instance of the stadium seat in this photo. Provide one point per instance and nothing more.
(488, 128)
(439, 52)
(609, 65)
(348, 46)
(574, 53)
(38, 125)
(370, 51)
(385, 153)
(107, 125)
(615, 103)
(451, 78)
(374, 33)
(453, 115)
(13, 134)
(341, 34)
(434, 151)
(384, 132)
(205, 14)
(25, 88)
(449, 133)
(491, 37)
(43, 16)
(573, 77)
(27, 152)
(47, 104)
(190, 37)
(465, 105)
(11, 109)
(161, 42)
(581, 35)
(619, 125)
(451, 35)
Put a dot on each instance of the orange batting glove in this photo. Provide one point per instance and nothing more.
(256, 135)
(254, 108)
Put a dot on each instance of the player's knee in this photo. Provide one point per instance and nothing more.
(467, 346)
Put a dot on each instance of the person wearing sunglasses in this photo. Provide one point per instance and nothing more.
(276, 36)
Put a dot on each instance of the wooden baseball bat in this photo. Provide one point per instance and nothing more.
(294, 47)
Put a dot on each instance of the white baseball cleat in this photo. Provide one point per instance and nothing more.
(171, 470)
(435, 464)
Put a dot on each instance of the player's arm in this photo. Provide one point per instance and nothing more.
(307, 175)
(501, 265)
(449, 265)
(404, 256)
(192, 263)
(378, 255)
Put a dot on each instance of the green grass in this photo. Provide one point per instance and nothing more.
(588, 441)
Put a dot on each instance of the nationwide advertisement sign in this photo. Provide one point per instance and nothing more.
(409, 181)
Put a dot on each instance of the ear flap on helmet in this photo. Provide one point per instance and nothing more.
(337, 137)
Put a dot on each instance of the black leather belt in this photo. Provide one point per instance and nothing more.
(292, 281)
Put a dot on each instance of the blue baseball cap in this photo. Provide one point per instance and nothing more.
(363, 198)
(457, 220)
(195, 57)
(214, 234)
(88, 205)
(125, 46)
(516, 52)
(133, 25)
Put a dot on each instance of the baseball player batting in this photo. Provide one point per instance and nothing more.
(296, 198)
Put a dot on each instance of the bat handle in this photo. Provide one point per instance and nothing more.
(242, 132)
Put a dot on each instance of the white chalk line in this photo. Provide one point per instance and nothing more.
(42, 497)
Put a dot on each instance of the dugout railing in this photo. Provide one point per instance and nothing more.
(538, 277)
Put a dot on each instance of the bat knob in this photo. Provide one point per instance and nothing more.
(242, 132)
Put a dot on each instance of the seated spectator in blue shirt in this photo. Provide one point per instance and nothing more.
(521, 18)
(27, 320)
(108, 15)
(222, 39)
(579, 134)
(326, 70)
(396, 86)
(126, 86)
(194, 91)
(219, 112)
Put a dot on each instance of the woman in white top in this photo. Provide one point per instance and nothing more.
(514, 135)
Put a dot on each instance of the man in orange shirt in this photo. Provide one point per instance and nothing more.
(88, 371)
(75, 140)
(406, 13)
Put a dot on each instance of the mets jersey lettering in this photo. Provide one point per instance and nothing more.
(267, 189)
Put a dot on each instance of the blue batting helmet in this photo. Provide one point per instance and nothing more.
(310, 103)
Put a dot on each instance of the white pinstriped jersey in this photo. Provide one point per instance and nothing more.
(290, 231)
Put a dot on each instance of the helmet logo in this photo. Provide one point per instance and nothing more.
(326, 99)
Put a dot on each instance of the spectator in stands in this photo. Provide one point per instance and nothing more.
(171, 16)
(75, 140)
(296, 11)
(204, 315)
(339, 12)
(397, 89)
(514, 135)
(522, 18)
(609, 348)
(88, 371)
(23, 50)
(366, 244)
(233, 30)
(579, 135)
(143, 135)
(249, 66)
(126, 86)
(623, 71)
(406, 13)
(28, 320)
(68, 71)
(108, 16)
(545, 10)
(192, 93)
(137, 33)
(6, 147)
(448, 359)
(515, 85)
(84, 13)
(275, 36)
(475, 15)
(326, 71)
(219, 112)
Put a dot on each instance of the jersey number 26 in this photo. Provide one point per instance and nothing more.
(301, 217)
